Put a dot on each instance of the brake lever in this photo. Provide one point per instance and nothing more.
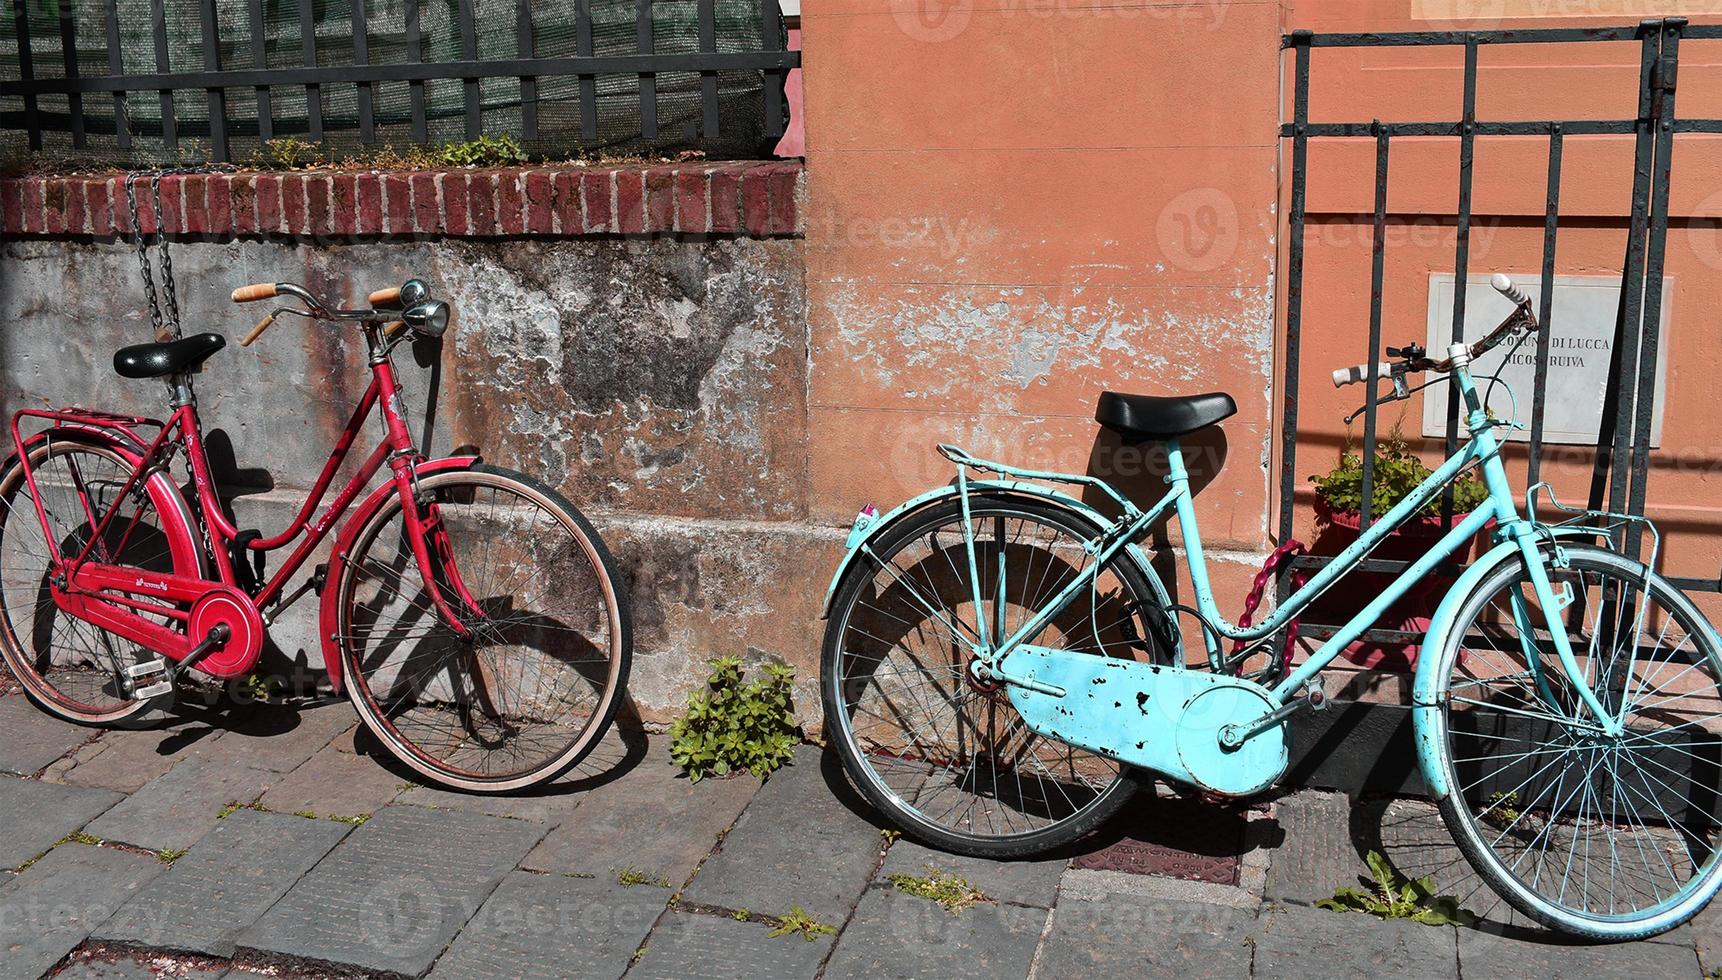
(1401, 390)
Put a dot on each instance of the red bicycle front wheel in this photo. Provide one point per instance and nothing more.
(535, 684)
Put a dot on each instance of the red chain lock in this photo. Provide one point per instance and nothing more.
(1291, 549)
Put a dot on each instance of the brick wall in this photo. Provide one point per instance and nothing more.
(754, 199)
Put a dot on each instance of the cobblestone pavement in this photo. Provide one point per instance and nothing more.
(283, 842)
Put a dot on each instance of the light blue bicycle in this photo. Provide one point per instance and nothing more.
(1002, 666)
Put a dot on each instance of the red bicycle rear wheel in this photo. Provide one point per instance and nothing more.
(71, 668)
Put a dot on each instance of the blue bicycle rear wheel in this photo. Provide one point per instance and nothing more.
(1608, 836)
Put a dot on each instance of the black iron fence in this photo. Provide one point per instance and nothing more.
(1620, 462)
(171, 79)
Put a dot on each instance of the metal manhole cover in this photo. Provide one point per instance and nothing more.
(1172, 838)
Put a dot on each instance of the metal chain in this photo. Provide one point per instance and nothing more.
(165, 325)
(1291, 549)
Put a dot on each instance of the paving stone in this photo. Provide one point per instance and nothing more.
(124, 761)
(34, 738)
(1490, 952)
(38, 814)
(172, 812)
(797, 843)
(1297, 942)
(1128, 937)
(651, 818)
(545, 807)
(897, 935)
(141, 966)
(708, 947)
(1707, 936)
(334, 784)
(394, 893)
(1020, 882)
(226, 882)
(279, 737)
(1317, 853)
(547, 926)
(49, 910)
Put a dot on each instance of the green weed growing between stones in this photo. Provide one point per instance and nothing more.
(1390, 897)
(736, 726)
(798, 922)
(953, 892)
(629, 877)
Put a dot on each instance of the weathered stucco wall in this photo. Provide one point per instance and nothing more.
(659, 383)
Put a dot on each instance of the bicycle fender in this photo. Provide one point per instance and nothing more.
(329, 613)
(866, 531)
(1425, 703)
(177, 520)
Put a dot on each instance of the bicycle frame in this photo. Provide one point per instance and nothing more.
(1482, 450)
(100, 592)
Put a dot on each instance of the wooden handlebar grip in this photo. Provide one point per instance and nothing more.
(257, 331)
(254, 292)
(394, 327)
(385, 297)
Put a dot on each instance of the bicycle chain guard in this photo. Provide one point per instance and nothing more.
(1164, 719)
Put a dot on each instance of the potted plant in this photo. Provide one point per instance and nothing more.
(1339, 506)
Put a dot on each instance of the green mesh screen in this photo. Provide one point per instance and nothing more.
(741, 94)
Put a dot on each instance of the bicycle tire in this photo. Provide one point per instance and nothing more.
(839, 707)
(585, 550)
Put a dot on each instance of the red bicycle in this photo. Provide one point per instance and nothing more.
(473, 616)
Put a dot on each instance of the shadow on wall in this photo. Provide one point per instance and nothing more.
(1138, 471)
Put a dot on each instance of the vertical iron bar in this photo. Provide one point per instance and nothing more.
(1650, 332)
(1377, 271)
(362, 56)
(69, 58)
(27, 71)
(1294, 278)
(217, 97)
(469, 52)
(709, 79)
(771, 39)
(163, 66)
(1545, 309)
(313, 90)
(416, 88)
(1462, 249)
(1609, 468)
(588, 83)
(116, 66)
(648, 80)
(528, 83)
(260, 58)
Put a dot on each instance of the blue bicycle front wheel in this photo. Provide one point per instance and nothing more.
(1608, 835)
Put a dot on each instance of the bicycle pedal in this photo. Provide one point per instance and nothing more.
(153, 691)
(146, 669)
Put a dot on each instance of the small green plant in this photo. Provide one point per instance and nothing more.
(357, 821)
(234, 807)
(953, 892)
(799, 922)
(307, 814)
(637, 954)
(168, 855)
(890, 836)
(485, 151)
(734, 726)
(1397, 472)
(289, 153)
(1503, 810)
(79, 837)
(629, 877)
(1389, 897)
(260, 687)
(741, 915)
